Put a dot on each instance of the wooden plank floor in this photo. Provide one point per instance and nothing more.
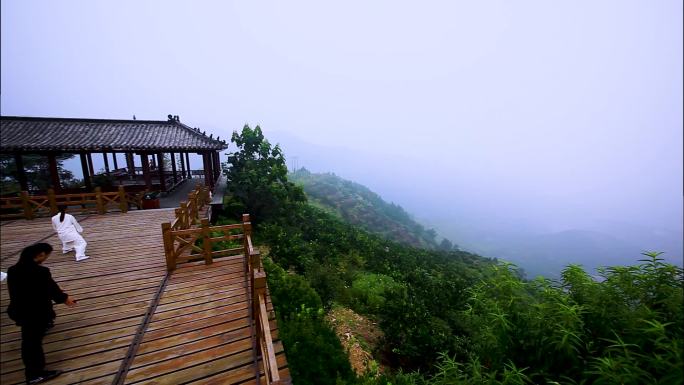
(199, 332)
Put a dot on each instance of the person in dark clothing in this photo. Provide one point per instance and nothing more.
(32, 291)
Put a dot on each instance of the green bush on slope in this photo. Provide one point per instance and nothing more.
(451, 317)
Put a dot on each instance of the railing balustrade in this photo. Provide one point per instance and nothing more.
(31, 206)
(189, 238)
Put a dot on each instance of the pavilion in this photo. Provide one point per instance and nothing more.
(148, 139)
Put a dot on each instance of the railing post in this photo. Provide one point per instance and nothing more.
(258, 288)
(247, 232)
(179, 217)
(200, 198)
(194, 212)
(255, 261)
(53, 201)
(123, 204)
(268, 358)
(196, 206)
(98, 199)
(168, 246)
(185, 221)
(206, 242)
(26, 205)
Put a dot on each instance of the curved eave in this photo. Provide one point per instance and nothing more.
(108, 149)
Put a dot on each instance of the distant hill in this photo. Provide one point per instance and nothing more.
(360, 206)
(547, 253)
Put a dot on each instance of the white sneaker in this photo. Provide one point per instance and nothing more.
(82, 258)
(67, 251)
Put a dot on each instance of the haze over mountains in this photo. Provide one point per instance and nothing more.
(484, 216)
(495, 123)
(477, 220)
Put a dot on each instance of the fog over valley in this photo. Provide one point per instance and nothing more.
(520, 223)
(540, 133)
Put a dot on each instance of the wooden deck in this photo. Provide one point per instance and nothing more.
(135, 324)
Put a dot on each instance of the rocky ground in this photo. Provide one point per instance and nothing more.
(359, 336)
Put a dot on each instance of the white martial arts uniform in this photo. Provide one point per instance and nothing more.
(68, 232)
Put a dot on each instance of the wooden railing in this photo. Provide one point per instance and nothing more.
(181, 236)
(32, 206)
(185, 240)
(257, 277)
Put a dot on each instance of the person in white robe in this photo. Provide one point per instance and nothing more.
(68, 230)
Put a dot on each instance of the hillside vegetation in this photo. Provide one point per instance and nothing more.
(448, 317)
(358, 205)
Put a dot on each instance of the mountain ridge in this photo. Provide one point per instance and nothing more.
(358, 205)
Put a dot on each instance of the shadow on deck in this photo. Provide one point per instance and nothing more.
(136, 324)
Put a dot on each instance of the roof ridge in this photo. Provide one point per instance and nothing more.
(197, 132)
(66, 134)
(93, 120)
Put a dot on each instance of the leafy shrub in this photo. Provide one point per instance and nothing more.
(314, 354)
(370, 291)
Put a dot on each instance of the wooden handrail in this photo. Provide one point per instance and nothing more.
(181, 235)
(259, 286)
(31, 206)
(187, 227)
(268, 358)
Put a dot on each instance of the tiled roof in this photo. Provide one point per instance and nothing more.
(65, 134)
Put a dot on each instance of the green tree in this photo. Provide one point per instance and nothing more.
(37, 173)
(446, 245)
(257, 176)
(314, 354)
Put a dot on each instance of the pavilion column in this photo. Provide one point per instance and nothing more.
(187, 164)
(116, 164)
(90, 164)
(130, 164)
(84, 167)
(154, 161)
(217, 165)
(106, 162)
(173, 168)
(206, 162)
(144, 159)
(21, 173)
(160, 167)
(182, 158)
(212, 159)
(54, 172)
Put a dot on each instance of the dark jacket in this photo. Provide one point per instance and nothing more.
(32, 290)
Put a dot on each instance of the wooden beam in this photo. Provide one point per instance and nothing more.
(106, 162)
(212, 159)
(21, 173)
(116, 164)
(207, 168)
(217, 165)
(182, 158)
(130, 163)
(146, 170)
(54, 172)
(160, 167)
(86, 175)
(173, 168)
(90, 164)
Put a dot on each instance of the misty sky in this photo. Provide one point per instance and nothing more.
(551, 114)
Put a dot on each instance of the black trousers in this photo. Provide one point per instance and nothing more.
(32, 348)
